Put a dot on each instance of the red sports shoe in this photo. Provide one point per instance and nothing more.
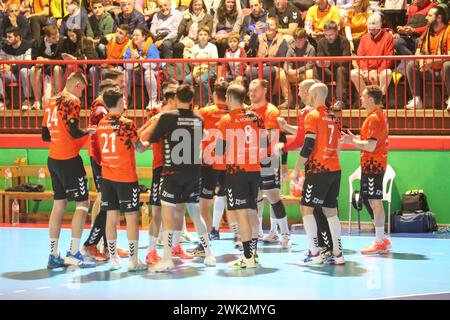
(377, 247)
(152, 257)
(179, 252)
(122, 253)
(93, 252)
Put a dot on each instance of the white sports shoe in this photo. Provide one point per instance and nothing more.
(448, 104)
(311, 259)
(261, 235)
(136, 265)
(286, 241)
(272, 237)
(243, 263)
(210, 261)
(415, 103)
(163, 265)
(186, 237)
(114, 263)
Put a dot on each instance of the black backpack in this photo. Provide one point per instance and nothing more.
(414, 200)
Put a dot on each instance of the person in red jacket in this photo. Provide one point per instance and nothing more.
(377, 42)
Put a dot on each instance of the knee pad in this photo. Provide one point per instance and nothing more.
(279, 210)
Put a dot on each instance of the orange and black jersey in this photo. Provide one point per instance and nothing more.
(61, 112)
(325, 154)
(269, 115)
(98, 111)
(156, 146)
(241, 130)
(375, 127)
(182, 133)
(117, 136)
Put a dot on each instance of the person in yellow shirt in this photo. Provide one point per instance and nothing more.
(317, 16)
(355, 22)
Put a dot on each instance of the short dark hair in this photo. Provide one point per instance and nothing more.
(106, 83)
(124, 27)
(330, 25)
(102, 2)
(300, 33)
(14, 30)
(375, 93)
(221, 90)
(204, 29)
(111, 96)
(112, 74)
(77, 76)
(237, 92)
(185, 93)
(169, 88)
(441, 12)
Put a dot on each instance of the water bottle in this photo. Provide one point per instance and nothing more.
(41, 177)
(15, 208)
(145, 216)
(8, 178)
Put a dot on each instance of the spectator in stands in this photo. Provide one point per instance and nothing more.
(79, 47)
(299, 71)
(434, 41)
(227, 19)
(317, 16)
(142, 47)
(100, 24)
(378, 42)
(233, 70)
(130, 16)
(289, 17)
(356, 22)
(257, 15)
(117, 45)
(47, 48)
(270, 44)
(75, 19)
(203, 74)
(14, 48)
(14, 18)
(193, 19)
(38, 17)
(394, 12)
(333, 44)
(407, 36)
(164, 28)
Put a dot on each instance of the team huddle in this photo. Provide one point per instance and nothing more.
(228, 153)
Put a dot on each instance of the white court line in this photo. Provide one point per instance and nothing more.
(42, 288)
(411, 295)
(19, 291)
(396, 238)
(437, 253)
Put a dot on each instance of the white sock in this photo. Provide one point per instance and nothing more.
(112, 247)
(273, 225)
(219, 207)
(74, 245)
(284, 226)
(235, 229)
(168, 237)
(54, 247)
(133, 246)
(260, 208)
(204, 240)
(309, 222)
(379, 234)
(152, 244)
(335, 229)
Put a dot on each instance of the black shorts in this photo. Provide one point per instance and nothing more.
(212, 182)
(242, 190)
(372, 186)
(180, 187)
(321, 189)
(97, 174)
(122, 196)
(271, 182)
(154, 191)
(69, 180)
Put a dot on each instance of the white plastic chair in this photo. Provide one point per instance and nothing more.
(388, 182)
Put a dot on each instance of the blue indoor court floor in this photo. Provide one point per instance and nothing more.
(416, 268)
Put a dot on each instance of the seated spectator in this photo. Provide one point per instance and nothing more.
(204, 74)
(100, 24)
(356, 22)
(270, 44)
(317, 16)
(299, 71)
(14, 48)
(334, 45)
(394, 12)
(378, 42)
(15, 19)
(164, 28)
(434, 41)
(116, 47)
(130, 16)
(233, 70)
(142, 47)
(227, 19)
(47, 48)
(39, 17)
(193, 19)
(79, 47)
(257, 15)
(75, 19)
(289, 17)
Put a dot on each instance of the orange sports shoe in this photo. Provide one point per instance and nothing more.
(93, 252)
(122, 253)
(377, 247)
(152, 257)
(179, 252)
